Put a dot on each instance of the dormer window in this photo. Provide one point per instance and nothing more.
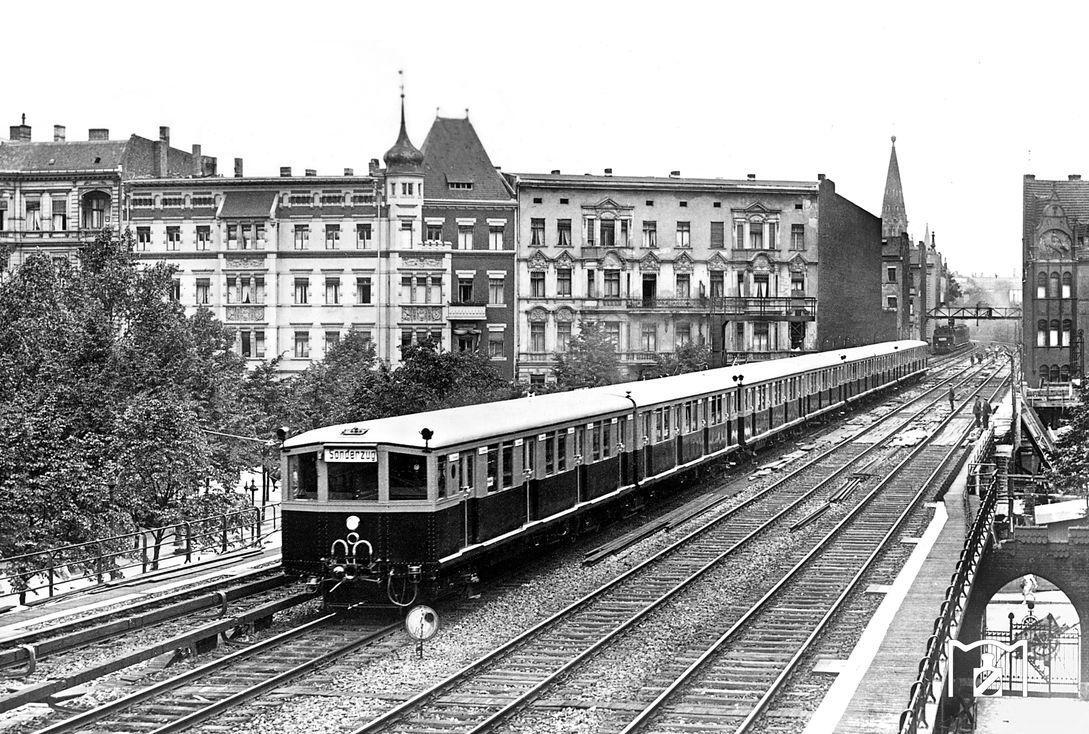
(460, 185)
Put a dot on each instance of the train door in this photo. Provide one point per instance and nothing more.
(681, 428)
(644, 443)
(468, 488)
(580, 462)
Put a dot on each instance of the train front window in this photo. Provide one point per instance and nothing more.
(407, 477)
(351, 481)
(302, 476)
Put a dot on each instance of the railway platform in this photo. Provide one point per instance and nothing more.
(871, 687)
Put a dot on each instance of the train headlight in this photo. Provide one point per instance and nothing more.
(338, 572)
(352, 522)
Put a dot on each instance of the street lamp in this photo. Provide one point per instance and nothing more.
(252, 489)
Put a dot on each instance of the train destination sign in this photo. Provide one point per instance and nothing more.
(351, 456)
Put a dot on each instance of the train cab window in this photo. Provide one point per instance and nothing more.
(448, 474)
(407, 477)
(302, 476)
(351, 481)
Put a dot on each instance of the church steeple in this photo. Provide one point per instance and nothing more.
(894, 219)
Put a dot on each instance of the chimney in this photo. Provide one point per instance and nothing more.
(750, 176)
(285, 171)
(674, 174)
(20, 131)
(608, 171)
(820, 176)
(238, 168)
(58, 133)
(98, 133)
(164, 134)
(373, 167)
(1074, 177)
(555, 172)
(311, 172)
(197, 161)
(349, 171)
(1030, 176)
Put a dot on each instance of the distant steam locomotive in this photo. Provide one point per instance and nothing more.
(948, 339)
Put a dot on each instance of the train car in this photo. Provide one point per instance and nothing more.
(396, 509)
(948, 339)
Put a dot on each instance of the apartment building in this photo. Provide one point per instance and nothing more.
(739, 265)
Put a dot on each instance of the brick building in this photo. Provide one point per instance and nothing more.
(661, 262)
(1055, 249)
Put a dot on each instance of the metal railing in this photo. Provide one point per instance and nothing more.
(39, 573)
(952, 609)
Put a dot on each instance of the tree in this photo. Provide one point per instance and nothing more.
(590, 360)
(322, 394)
(688, 358)
(952, 292)
(1070, 466)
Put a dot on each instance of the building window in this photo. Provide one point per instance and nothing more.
(612, 284)
(60, 213)
(33, 216)
(797, 285)
(332, 291)
(204, 289)
(536, 336)
(302, 290)
(203, 201)
(465, 237)
(624, 233)
(434, 233)
(538, 200)
(648, 337)
(259, 235)
(760, 285)
(175, 290)
(332, 338)
(1054, 336)
(773, 235)
(302, 236)
(537, 284)
(537, 232)
(563, 232)
(756, 236)
(739, 336)
(407, 189)
(650, 233)
(797, 236)
(890, 274)
(1067, 285)
(362, 236)
(797, 335)
(244, 289)
(496, 347)
(460, 185)
(363, 290)
(718, 284)
(890, 302)
(465, 290)
(684, 285)
(143, 237)
(1041, 333)
(718, 235)
(1041, 285)
(612, 332)
(739, 235)
(591, 284)
(563, 282)
(684, 234)
(760, 339)
(302, 345)
(608, 233)
(204, 236)
(1067, 326)
(563, 335)
(684, 335)
(589, 231)
(331, 198)
(495, 237)
(495, 290)
(332, 236)
(244, 236)
(232, 236)
(405, 233)
(173, 238)
(1053, 290)
(252, 344)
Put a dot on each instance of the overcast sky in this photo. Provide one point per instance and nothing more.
(977, 94)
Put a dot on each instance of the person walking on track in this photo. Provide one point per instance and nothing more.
(977, 410)
(952, 399)
(986, 414)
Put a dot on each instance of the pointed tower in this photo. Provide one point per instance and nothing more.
(404, 186)
(893, 212)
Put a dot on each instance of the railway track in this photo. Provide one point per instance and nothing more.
(489, 691)
(213, 689)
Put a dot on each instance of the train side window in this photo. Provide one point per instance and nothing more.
(302, 476)
(508, 464)
(550, 454)
(407, 476)
(666, 432)
(595, 442)
(658, 425)
(493, 467)
(529, 457)
(468, 466)
(357, 482)
(580, 444)
(561, 451)
(606, 439)
(648, 429)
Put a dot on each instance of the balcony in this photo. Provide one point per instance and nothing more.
(777, 308)
(732, 358)
(467, 311)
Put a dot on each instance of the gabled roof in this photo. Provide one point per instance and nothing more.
(1072, 195)
(91, 155)
(453, 152)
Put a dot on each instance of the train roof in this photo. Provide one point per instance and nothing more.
(454, 426)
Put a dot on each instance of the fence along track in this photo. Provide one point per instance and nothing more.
(519, 669)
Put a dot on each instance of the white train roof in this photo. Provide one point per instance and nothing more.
(453, 426)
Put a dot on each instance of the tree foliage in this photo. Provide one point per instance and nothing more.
(1070, 465)
(688, 358)
(589, 361)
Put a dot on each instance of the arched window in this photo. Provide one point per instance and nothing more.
(1053, 376)
(1068, 282)
(1064, 373)
(1053, 337)
(1041, 285)
(1043, 373)
(1041, 333)
(1067, 326)
(1053, 291)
